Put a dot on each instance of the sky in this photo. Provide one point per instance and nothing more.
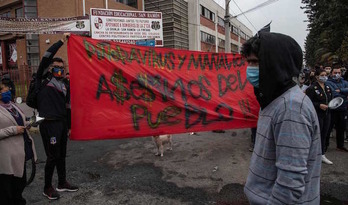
(286, 15)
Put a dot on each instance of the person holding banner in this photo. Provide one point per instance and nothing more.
(52, 99)
(286, 162)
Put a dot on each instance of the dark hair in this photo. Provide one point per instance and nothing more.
(251, 46)
(318, 71)
(336, 66)
(57, 59)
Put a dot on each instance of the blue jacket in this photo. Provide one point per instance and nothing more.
(341, 85)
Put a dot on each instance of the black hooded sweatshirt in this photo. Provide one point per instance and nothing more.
(280, 59)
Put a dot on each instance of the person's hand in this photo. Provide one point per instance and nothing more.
(65, 37)
(323, 107)
(338, 90)
(69, 133)
(20, 129)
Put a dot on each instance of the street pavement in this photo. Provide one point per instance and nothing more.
(206, 168)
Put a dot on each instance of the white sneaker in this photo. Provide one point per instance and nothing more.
(325, 160)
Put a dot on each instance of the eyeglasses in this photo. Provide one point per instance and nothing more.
(58, 67)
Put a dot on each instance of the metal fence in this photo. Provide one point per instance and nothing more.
(21, 78)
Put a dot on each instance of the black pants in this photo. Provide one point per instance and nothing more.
(54, 137)
(338, 120)
(11, 189)
(324, 123)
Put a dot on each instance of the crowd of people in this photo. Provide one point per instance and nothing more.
(321, 85)
(289, 143)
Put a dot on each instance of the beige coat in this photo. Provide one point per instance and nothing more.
(12, 154)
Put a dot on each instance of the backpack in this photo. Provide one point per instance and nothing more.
(31, 99)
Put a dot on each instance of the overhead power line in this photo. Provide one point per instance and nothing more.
(244, 16)
(256, 7)
(252, 9)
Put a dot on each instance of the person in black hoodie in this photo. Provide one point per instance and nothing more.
(286, 161)
(320, 95)
(52, 99)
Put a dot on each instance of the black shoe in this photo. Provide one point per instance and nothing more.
(51, 194)
(67, 187)
(342, 149)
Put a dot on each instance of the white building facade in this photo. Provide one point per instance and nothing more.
(207, 29)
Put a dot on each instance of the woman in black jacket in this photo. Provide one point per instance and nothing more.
(320, 95)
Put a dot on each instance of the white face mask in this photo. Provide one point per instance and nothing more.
(337, 76)
(322, 79)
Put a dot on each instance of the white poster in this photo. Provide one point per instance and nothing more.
(126, 25)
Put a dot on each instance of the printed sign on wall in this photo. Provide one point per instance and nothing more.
(126, 25)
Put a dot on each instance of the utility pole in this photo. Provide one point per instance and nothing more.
(227, 27)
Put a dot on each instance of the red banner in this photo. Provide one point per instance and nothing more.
(120, 90)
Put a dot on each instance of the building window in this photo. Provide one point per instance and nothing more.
(242, 35)
(6, 14)
(19, 12)
(33, 49)
(207, 38)
(207, 13)
(132, 3)
(30, 9)
(221, 22)
(234, 48)
(234, 29)
(221, 43)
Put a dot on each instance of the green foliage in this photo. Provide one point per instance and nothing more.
(327, 41)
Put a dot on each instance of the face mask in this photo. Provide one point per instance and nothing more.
(337, 76)
(323, 79)
(6, 97)
(253, 75)
(58, 71)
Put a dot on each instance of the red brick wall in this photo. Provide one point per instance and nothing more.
(70, 8)
(221, 30)
(234, 36)
(207, 23)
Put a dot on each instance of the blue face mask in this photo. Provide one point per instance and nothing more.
(253, 75)
(6, 97)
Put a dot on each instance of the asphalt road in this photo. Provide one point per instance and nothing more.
(208, 168)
